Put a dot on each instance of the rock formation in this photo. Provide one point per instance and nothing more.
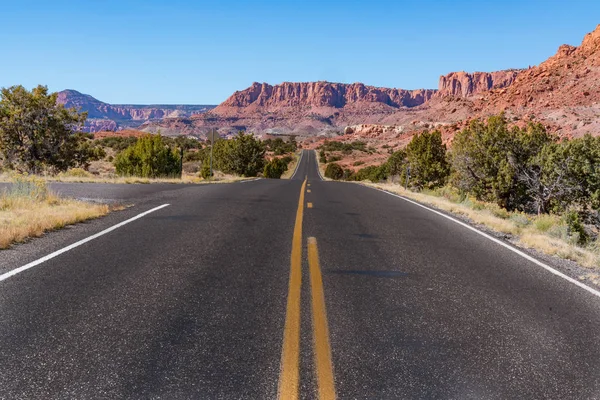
(464, 84)
(110, 117)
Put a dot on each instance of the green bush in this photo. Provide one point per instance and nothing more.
(205, 169)
(275, 168)
(243, 155)
(148, 158)
(372, 173)
(575, 227)
(280, 147)
(334, 171)
(346, 148)
(426, 157)
(39, 134)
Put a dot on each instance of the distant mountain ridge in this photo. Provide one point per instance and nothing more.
(111, 117)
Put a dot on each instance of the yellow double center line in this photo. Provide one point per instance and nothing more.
(289, 379)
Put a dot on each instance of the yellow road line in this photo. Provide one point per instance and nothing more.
(308, 191)
(309, 205)
(322, 349)
(289, 378)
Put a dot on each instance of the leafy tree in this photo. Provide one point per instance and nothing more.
(36, 133)
(275, 168)
(426, 156)
(243, 155)
(334, 171)
(149, 157)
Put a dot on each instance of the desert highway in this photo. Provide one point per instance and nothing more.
(298, 288)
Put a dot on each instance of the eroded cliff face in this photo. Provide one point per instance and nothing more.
(465, 84)
(322, 94)
(103, 116)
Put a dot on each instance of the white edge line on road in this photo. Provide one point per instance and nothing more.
(249, 180)
(318, 169)
(297, 165)
(76, 244)
(501, 243)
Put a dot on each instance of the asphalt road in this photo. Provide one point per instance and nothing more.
(219, 295)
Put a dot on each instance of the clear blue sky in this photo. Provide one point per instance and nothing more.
(195, 52)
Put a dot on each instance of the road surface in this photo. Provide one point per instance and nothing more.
(286, 288)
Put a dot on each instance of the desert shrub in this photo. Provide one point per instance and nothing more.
(117, 143)
(275, 168)
(520, 219)
(544, 223)
(38, 134)
(148, 158)
(372, 173)
(426, 157)
(28, 187)
(196, 155)
(76, 173)
(357, 163)
(205, 169)
(344, 147)
(334, 171)
(322, 157)
(397, 163)
(486, 157)
(575, 227)
(334, 158)
(243, 155)
(280, 147)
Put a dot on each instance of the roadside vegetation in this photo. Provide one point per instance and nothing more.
(28, 209)
(43, 138)
(526, 182)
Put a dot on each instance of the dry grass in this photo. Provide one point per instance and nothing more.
(78, 175)
(29, 210)
(291, 167)
(546, 233)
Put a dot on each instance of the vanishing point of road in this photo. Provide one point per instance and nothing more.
(298, 288)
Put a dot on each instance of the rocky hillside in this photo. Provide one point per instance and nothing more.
(464, 84)
(110, 117)
(562, 92)
(321, 94)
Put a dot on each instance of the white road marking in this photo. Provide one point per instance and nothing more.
(297, 165)
(501, 243)
(249, 180)
(318, 170)
(76, 244)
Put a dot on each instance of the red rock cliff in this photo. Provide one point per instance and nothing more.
(464, 84)
(323, 94)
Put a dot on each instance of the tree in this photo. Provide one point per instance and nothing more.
(426, 156)
(149, 157)
(243, 155)
(397, 163)
(562, 174)
(486, 158)
(275, 168)
(37, 133)
(334, 171)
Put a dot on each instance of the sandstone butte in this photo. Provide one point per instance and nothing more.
(561, 92)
